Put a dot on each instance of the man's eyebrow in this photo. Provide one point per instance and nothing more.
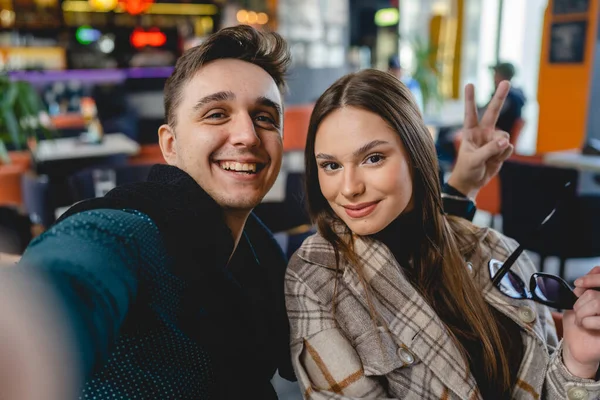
(265, 101)
(211, 98)
(356, 153)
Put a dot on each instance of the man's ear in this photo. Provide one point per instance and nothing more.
(166, 140)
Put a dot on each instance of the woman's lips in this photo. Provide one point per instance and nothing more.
(360, 210)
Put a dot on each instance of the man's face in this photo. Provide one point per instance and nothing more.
(228, 132)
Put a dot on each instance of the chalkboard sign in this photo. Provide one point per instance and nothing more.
(567, 42)
(562, 7)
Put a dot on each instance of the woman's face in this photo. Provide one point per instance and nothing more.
(363, 169)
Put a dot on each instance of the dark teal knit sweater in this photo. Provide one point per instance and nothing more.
(155, 321)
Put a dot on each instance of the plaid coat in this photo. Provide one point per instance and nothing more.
(347, 357)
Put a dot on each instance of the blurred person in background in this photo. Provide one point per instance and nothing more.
(395, 68)
(172, 288)
(515, 100)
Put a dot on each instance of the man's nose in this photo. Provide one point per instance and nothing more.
(243, 132)
(353, 185)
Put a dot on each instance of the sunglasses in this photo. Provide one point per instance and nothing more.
(547, 289)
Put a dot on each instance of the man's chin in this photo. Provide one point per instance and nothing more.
(239, 204)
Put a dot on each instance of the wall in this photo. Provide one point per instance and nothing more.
(564, 89)
(318, 34)
(593, 126)
(521, 43)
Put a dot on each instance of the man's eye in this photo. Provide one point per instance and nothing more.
(216, 115)
(265, 119)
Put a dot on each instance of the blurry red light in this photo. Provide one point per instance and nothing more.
(135, 7)
(152, 37)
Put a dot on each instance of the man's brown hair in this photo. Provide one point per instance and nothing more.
(267, 50)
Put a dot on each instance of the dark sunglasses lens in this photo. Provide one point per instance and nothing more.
(552, 289)
(513, 286)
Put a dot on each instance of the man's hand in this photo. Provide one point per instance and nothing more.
(483, 149)
(37, 357)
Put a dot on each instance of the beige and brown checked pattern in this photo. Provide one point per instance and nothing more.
(351, 358)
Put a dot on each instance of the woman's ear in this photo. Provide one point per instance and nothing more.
(167, 142)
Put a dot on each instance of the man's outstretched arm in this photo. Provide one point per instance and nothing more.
(64, 302)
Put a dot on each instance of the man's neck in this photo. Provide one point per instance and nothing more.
(236, 220)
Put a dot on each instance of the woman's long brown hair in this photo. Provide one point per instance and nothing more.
(439, 269)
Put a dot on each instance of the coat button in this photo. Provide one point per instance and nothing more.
(406, 356)
(577, 393)
(526, 314)
(470, 267)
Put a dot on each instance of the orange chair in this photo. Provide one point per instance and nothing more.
(22, 158)
(10, 184)
(295, 126)
(149, 154)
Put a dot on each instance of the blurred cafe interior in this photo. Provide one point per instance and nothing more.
(81, 100)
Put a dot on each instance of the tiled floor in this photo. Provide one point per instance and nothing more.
(574, 269)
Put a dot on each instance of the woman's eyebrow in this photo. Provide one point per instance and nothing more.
(357, 153)
(367, 147)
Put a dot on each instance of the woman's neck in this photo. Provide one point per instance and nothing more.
(403, 237)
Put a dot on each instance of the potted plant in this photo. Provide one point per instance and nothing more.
(23, 117)
(22, 114)
(427, 73)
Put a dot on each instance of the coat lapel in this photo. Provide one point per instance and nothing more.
(410, 319)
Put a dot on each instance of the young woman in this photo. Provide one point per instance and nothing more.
(392, 298)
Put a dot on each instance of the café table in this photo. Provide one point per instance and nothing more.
(587, 165)
(72, 148)
(59, 158)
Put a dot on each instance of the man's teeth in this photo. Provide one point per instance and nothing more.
(240, 167)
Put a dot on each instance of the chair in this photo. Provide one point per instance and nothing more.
(295, 126)
(37, 199)
(289, 214)
(529, 191)
(289, 219)
(10, 184)
(15, 231)
(516, 131)
(149, 154)
(81, 184)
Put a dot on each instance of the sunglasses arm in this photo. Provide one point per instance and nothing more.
(506, 265)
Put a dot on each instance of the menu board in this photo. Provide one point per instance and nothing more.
(567, 42)
(562, 7)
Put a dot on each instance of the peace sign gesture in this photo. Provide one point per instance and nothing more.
(483, 148)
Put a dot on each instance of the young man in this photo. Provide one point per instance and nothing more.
(172, 289)
(515, 100)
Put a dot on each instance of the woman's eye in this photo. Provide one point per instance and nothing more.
(330, 166)
(374, 159)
